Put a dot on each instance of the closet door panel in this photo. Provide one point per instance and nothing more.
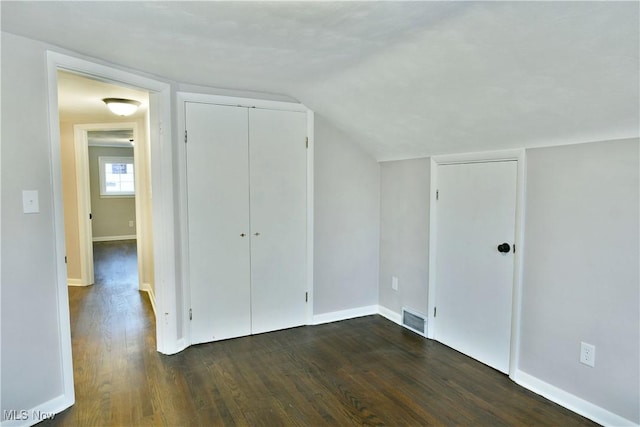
(278, 194)
(218, 215)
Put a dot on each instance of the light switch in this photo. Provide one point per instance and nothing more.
(30, 201)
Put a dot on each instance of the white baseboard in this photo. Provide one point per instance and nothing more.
(175, 347)
(390, 314)
(114, 238)
(336, 316)
(351, 313)
(146, 287)
(570, 401)
(28, 417)
(181, 344)
(75, 282)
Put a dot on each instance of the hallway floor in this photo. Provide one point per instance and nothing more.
(115, 264)
(112, 331)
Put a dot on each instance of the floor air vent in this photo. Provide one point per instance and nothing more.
(414, 321)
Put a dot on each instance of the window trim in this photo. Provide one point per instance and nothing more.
(102, 160)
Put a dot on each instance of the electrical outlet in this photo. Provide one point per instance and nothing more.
(588, 354)
(394, 283)
(131, 224)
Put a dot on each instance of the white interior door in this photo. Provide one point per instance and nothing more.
(278, 218)
(218, 221)
(476, 210)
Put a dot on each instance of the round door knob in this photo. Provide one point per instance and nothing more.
(242, 235)
(504, 248)
(256, 234)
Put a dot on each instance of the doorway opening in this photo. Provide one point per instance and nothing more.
(158, 130)
(105, 162)
(116, 240)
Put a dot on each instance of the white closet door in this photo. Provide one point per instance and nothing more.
(476, 213)
(218, 206)
(278, 162)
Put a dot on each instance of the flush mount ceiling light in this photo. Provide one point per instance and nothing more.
(122, 107)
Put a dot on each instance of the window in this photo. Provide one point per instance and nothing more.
(116, 176)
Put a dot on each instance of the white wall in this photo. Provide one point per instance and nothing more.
(30, 344)
(581, 272)
(347, 206)
(404, 234)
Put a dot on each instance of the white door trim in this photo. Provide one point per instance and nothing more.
(310, 210)
(182, 98)
(162, 205)
(489, 156)
(81, 147)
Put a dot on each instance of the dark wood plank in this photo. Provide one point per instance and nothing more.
(365, 371)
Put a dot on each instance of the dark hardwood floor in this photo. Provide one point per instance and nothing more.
(365, 371)
(116, 263)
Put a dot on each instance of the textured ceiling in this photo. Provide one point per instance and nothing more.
(404, 79)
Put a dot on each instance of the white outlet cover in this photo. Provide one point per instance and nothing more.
(588, 354)
(394, 283)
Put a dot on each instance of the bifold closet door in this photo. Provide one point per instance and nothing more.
(218, 221)
(278, 187)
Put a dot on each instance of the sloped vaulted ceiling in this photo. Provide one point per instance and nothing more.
(404, 79)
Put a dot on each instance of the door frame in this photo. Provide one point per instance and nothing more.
(481, 157)
(160, 136)
(85, 231)
(181, 99)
